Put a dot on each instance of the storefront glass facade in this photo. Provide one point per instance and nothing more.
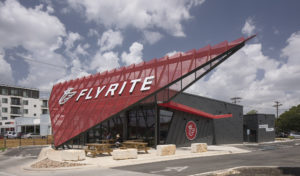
(135, 124)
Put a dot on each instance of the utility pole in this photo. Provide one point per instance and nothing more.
(277, 104)
(236, 100)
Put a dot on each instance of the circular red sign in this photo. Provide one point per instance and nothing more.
(191, 130)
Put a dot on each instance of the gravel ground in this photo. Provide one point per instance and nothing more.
(46, 163)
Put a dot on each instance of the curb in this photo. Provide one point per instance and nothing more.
(229, 170)
(28, 168)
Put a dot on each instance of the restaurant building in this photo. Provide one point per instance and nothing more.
(146, 101)
(259, 127)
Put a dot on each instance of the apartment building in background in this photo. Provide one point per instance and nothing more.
(18, 102)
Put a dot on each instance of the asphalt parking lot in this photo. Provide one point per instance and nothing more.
(272, 154)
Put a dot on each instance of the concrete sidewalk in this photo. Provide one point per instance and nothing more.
(150, 157)
(106, 161)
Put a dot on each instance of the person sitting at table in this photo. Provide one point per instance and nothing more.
(118, 140)
(108, 136)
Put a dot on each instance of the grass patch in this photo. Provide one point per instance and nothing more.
(2, 149)
(291, 137)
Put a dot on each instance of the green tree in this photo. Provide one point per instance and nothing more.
(289, 120)
(253, 111)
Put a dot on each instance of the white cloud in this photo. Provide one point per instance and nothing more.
(65, 10)
(110, 39)
(105, 61)
(5, 71)
(276, 31)
(71, 39)
(50, 9)
(140, 14)
(31, 28)
(40, 34)
(135, 54)
(249, 27)
(152, 37)
(238, 77)
(75, 72)
(172, 53)
(81, 50)
(195, 3)
(93, 32)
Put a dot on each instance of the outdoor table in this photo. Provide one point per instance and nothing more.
(137, 145)
(96, 149)
(107, 141)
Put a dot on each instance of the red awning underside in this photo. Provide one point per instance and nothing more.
(191, 110)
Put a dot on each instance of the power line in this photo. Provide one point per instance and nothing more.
(44, 63)
(277, 104)
(257, 107)
(40, 62)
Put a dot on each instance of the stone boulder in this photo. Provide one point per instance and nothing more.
(73, 155)
(163, 150)
(122, 154)
(198, 147)
(61, 155)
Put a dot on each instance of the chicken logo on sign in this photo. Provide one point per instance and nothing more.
(111, 90)
(66, 96)
(191, 130)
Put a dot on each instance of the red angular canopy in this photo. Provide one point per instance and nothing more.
(77, 105)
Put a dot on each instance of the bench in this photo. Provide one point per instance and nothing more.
(137, 145)
(96, 149)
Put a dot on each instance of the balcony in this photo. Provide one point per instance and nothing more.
(15, 110)
(15, 102)
(44, 106)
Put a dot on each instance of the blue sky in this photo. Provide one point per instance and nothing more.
(44, 42)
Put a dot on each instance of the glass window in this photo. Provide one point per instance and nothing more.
(165, 118)
(15, 110)
(45, 103)
(34, 106)
(4, 109)
(141, 124)
(25, 93)
(105, 130)
(4, 100)
(25, 111)
(35, 94)
(44, 111)
(15, 101)
(4, 91)
(14, 92)
(34, 114)
(4, 118)
(25, 102)
(0, 123)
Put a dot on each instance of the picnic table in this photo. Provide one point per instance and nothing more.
(107, 141)
(96, 149)
(138, 145)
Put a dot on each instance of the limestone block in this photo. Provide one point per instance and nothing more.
(72, 155)
(43, 153)
(61, 155)
(121, 154)
(163, 150)
(198, 147)
(54, 155)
